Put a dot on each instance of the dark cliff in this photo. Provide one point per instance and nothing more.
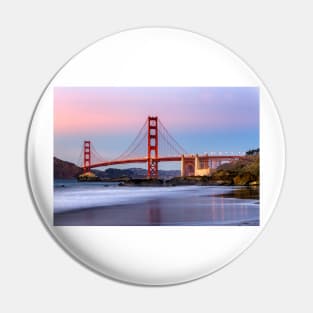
(65, 170)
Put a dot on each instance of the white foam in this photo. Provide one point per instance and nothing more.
(76, 198)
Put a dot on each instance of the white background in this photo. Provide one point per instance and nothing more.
(273, 274)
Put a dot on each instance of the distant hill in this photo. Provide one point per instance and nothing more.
(68, 170)
(134, 172)
(117, 173)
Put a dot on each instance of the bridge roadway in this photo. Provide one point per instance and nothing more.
(163, 159)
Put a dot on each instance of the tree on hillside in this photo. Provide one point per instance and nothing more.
(253, 151)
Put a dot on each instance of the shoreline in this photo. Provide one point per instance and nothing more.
(176, 181)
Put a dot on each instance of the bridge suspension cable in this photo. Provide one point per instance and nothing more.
(80, 158)
(173, 146)
(167, 146)
(137, 146)
(95, 155)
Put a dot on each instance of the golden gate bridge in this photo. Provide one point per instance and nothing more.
(152, 145)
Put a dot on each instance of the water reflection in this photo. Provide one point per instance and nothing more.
(194, 206)
(154, 212)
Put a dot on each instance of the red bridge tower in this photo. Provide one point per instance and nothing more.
(153, 148)
(87, 156)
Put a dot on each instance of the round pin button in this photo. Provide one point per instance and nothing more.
(155, 156)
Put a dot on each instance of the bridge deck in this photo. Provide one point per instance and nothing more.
(164, 159)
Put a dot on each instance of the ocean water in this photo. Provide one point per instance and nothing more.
(99, 203)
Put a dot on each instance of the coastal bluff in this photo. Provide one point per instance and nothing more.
(65, 170)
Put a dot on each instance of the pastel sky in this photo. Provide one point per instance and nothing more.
(201, 119)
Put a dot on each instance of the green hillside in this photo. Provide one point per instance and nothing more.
(241, 172)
